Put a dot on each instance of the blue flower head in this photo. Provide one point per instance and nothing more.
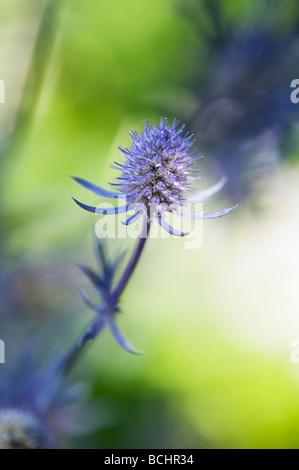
(158, 165)
(155, 176)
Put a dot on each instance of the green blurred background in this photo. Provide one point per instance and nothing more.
(217, 323)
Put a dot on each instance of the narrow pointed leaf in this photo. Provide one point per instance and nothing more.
(120, 339)
(102, 259)
(86, 300)
(214, 215)
(170, 229)
(203, 195)
(97, 189)
(115, 263)
(102, 210)
(133, 218)
(96, 280)
(209, 215)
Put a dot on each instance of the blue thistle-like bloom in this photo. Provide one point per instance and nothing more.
(158, 165)
(155, 176)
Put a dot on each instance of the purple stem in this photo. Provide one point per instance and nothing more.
(97, 325)
(132, 263)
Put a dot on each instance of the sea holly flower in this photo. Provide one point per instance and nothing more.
(155, 177)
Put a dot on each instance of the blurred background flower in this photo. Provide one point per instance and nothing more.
(37, 409)
(216, 323)
(241, 111)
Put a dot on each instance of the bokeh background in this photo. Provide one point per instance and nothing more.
(216, 324)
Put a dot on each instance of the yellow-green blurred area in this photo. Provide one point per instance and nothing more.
(216, 324)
